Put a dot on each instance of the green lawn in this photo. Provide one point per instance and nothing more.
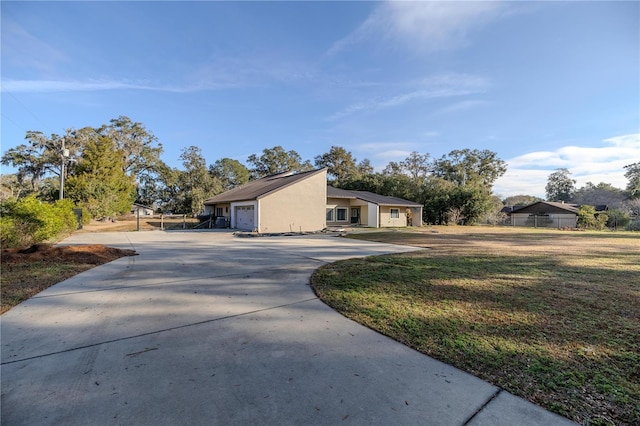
(552, 316)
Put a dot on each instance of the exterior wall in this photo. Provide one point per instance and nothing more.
(416, 220)
(296, 208)
(552, 220)
(373, 215)
(386, 220)
(334, 203)
(364, 214)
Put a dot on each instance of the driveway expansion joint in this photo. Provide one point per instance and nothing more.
(483, 406)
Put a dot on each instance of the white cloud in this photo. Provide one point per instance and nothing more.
(631, 141)
(528, 173)
(463, 106)
(50, 86)
(21, 48)
(432, 87)
(423, 26)
(381, 153)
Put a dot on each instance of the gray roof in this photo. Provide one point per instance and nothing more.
(547, 207)
(261, 187)
(381, 200)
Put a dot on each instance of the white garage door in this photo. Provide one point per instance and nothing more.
(244, 218)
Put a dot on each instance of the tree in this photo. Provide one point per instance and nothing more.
(393, 168)
(633, 175)
(196, 183)
(437, 202)
(618, 219)
(521, 200)
(416, 166)
(99, 182)
(560, 187)
(277, 160)
(494, 216)
(600, 194)
(169, 192)
(231, 173)
(41, 156)
(365, 167)
(459, 189)
(470, 166)
(11, 188)
(139, 147)
(340, 164)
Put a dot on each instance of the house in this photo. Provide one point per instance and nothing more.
(302, 202)
(368, 209)
(285, 202)
(141, 210)
(546, 214)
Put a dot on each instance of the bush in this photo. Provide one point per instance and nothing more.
(589, 219)
(30, 221)
(618, 219)
(634, 225)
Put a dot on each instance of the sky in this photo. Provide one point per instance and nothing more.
(545, 85)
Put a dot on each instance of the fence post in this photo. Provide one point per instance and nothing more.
(184, 221)
(162, 221)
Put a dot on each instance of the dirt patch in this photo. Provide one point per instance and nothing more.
(27, 272)
(93, 254)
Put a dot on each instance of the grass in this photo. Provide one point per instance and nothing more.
(552, 316)
(24, 280)
(147, 223)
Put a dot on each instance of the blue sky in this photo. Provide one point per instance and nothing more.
(543, 84)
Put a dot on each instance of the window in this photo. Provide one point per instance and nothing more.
(329, 215)
(342, 214)
(395, 214)
(218, 211)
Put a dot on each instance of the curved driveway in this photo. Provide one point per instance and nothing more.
(203, 328)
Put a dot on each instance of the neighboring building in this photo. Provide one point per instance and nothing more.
(301, 202)
(143, 210)
(546, 214)
(345, 207)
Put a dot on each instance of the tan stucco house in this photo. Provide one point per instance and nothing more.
(302, 202)
(345, 207)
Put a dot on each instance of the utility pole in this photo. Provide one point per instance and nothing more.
(64, 155)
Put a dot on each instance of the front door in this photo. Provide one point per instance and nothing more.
(355, 215)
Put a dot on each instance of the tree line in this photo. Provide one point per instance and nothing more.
(110, 167)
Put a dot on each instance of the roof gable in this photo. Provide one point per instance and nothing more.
(545, 207)
(261, 187)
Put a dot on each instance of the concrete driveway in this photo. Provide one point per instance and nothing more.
(203, 328)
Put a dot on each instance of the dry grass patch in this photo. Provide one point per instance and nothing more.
(552, 316)
(147, 223)
(28, 272)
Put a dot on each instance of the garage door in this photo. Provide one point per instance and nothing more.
(244, 218)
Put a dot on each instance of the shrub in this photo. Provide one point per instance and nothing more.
(618, 219)
(634, 225)
(30, 221)
(589, 219)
